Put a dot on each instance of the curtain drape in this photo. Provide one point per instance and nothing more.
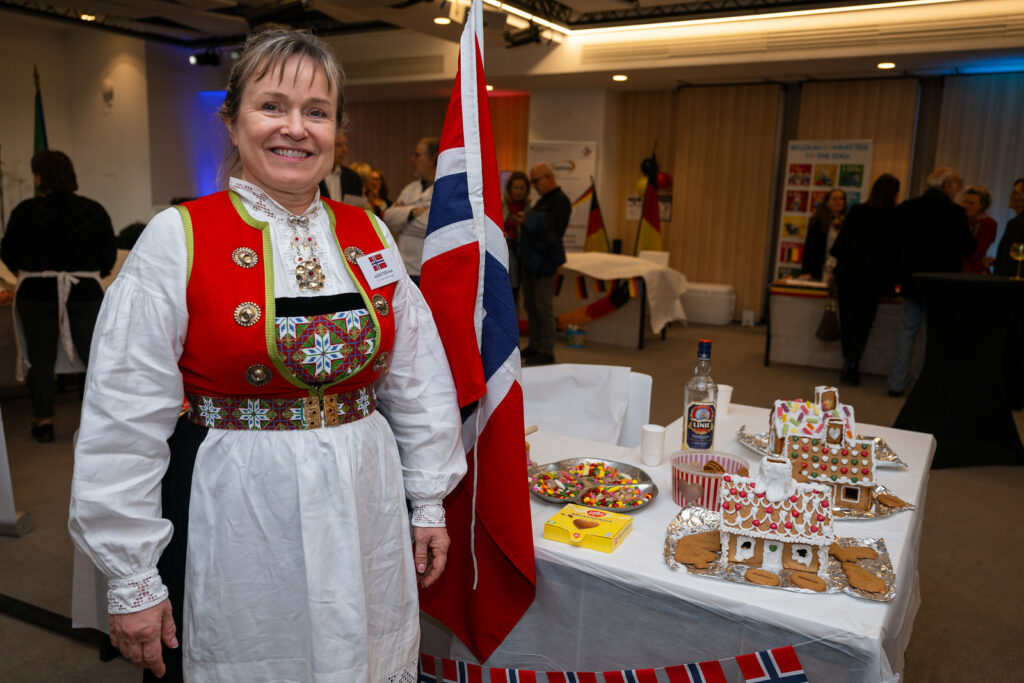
(981, 134)
(882, 110)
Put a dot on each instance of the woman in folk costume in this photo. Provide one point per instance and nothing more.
(273, 514)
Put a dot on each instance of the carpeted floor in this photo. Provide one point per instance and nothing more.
(969, 626)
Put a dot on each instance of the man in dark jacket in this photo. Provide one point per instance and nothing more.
(1004, 264)
(541, 253)
(933, 238)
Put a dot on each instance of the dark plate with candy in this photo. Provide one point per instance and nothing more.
(602, 484)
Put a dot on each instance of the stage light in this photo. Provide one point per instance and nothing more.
(886, 65)
(208, 58)
(522, 37)
(88, 17)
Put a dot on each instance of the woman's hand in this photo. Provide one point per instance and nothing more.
(430, 553)
(138, 635)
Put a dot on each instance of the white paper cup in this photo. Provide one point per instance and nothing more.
(724, 398)
(652, 444)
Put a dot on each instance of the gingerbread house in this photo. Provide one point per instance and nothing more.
(774, 522)
(818, 440)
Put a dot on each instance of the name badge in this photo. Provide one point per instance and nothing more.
(378, 268)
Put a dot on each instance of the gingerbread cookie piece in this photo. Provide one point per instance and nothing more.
(698, 549)
(807, 581)
(762, 577)
(891, 501)
(863, 579)
(714, 467)
(743, 472)
(852, 554)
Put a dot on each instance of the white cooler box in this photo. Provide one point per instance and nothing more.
(709, 304)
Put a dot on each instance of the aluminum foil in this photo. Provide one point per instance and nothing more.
(693, 520)
(877, 509)
(884, 456)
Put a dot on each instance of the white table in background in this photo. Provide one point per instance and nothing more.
(628, 609)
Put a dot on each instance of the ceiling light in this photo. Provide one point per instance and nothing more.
(208, 58)
(886, 65)
(620, 77)
(442, 21)
(490, 88)
(88, 17)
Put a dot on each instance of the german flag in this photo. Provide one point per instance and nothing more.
(597, 236)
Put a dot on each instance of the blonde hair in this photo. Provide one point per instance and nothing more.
(271, 49)
(982, 193)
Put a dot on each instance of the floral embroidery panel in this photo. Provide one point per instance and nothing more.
(319, 349)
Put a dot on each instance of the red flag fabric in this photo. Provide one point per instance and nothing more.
(490, 579)
(780, 664)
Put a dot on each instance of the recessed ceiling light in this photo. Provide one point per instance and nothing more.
(886, 65)
(443, 21)
(490, 88)
(620, 77)
(88, 17)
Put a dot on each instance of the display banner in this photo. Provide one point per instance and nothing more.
(813, 169)
(574, 163)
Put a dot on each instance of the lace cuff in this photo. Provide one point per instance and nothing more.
(428, 513)
(135, 593)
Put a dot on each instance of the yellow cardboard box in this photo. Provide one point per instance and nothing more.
(589, 528)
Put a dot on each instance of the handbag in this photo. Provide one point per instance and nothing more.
(828, 328)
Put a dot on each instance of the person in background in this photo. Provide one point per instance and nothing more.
(59, 245)
(865, 269)
(1004, 263)
(976, 199)
(376, 192)
(513, 203)
(933, 237)
(408, 216)
(342, 184)
(822, 230)
(268, 529)
(541, 253)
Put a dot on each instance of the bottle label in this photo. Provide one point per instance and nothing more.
(699, 432)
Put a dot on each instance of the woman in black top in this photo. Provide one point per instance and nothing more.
(55, 241)
(865, 271)
(821, 230)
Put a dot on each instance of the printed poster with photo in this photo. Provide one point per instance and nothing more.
(574, 164)
(813, 169)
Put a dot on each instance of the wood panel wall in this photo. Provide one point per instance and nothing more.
(883, 110)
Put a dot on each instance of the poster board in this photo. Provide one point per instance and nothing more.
(813, 169)
(574, 164)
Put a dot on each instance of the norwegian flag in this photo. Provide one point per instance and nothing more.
(780, 664)
(699, 672)
(490, 579)
(377, 261)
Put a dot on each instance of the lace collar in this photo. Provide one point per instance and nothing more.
(262, 206)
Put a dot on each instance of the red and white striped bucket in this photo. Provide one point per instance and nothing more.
(691, 485)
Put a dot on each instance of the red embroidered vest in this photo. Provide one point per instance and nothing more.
(224, 347)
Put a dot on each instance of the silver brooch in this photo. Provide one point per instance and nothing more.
(352, 253)
(300, 221)
(247, 314)
(380, 304)
(309, 275)
(257, 375)
(380, 363)
(245, 257)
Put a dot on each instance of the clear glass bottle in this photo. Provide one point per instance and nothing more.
(701, 399)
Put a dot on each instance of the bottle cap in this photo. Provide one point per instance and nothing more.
(703, 348)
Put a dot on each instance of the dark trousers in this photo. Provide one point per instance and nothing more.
(539, 302)
(42, 334)
(856, 316)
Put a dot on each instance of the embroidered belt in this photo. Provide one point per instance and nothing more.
(310, 412)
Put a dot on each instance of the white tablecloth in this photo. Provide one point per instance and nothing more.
(628, 609)
(664, 285)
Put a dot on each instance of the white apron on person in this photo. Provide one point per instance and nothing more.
(68, 362)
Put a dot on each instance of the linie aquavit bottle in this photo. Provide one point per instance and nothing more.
(700, 398)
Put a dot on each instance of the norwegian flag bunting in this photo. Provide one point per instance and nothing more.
(780, 664)
(452, 671)
(490, 578)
